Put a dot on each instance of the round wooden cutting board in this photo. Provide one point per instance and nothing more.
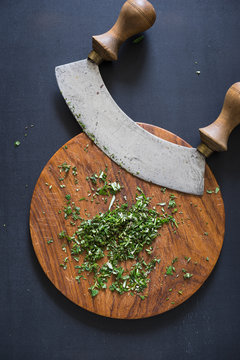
(196, 243)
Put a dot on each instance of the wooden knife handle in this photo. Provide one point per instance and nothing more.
(135, 16)
(215, 136)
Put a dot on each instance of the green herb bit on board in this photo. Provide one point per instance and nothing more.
(187, 276)
(170, 270)
(64, 167)
(172, 203)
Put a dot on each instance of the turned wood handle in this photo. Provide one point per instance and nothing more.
(215, 136)
(135, 16)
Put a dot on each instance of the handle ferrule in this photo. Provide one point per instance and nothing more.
(94, 57)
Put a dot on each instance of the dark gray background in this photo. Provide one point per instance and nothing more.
(153, 82)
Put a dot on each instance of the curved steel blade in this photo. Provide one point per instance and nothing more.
(139, 152)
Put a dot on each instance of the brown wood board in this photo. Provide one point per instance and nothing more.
(199, 235)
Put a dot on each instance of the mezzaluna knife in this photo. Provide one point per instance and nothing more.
(133, 148)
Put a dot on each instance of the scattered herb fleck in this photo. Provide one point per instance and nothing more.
(170, 270)
(187, 276)
(172, 203)
(64, 167)
(138, 39)
(209, 191)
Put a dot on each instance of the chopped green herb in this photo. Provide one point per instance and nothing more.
(64, 167)
(64, 266)
(172, 203)
(93, 179)
(187, 276)
(149, 251)
(79, 277)
(94, 292)
(62, 234)
(170, 270)
(74, 172)
(138, 39)
(117, 235)
(17, 143)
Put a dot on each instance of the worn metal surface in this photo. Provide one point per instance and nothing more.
(139, 152)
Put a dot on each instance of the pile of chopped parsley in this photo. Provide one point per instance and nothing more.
(114, 238)
(116, 246)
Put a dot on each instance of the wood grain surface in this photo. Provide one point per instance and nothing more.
(199, 235)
